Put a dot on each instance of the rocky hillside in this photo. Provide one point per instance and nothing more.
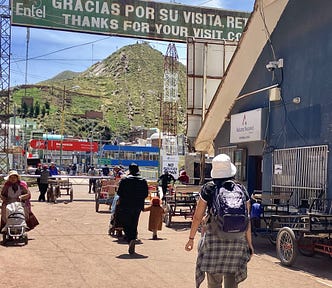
(127, 87)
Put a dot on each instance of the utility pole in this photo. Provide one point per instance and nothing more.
(171, 97)
(62, 123)
(169, 111)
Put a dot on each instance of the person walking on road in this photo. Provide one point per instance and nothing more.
(92, 181)
(43, 183)
(223, 251)
(155, 217)
(166, 179)
(132, 191)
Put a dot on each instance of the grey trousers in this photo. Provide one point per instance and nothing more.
(215, 280)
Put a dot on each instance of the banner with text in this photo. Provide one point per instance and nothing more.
(79, 146)
(131, 18)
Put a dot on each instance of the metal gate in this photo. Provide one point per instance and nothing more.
(302, 170)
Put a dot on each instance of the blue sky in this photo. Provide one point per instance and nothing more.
(50, 52)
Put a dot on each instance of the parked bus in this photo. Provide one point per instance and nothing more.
(143, 156)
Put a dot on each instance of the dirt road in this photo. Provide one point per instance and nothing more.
(71, 248)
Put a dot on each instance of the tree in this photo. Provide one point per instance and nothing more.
(47, 106)
(37, 109)
(43, 111)
(31, 111)
(24, 110)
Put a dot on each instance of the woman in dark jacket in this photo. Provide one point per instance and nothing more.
(132, 191)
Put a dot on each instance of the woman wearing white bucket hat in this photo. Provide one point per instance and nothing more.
(220, 256)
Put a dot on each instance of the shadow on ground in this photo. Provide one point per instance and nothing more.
(318, 265)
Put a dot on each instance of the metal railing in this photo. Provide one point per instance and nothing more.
(302, 170)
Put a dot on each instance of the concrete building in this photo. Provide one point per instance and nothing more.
(272, 110)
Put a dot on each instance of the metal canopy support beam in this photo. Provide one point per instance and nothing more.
(251, 44)
(5, 43)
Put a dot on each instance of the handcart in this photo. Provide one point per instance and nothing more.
(273, 204)
(181, 202)
(55, 188)
(105, 191)
(307, 233)
(296, 229)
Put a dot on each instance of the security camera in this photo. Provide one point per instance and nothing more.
(272, 65)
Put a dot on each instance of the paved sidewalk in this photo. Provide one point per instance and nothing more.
(71, 248)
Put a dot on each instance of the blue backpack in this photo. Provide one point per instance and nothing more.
(229, 208)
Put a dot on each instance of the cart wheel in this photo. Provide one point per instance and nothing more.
(25, 239)
(48, 194)
(168, 219)
(71, 194)
(97, 205)
(57, 192)
(306, 246)
(166, 208)
(4, 239)
(97, 201)
(51, 196)
(286, 246)
(168, 216)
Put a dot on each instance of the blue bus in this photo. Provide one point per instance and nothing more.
(143, 156)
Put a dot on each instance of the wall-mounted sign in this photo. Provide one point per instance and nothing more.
(247, 126)
(170, 163)
(277, 169)
(132, 18)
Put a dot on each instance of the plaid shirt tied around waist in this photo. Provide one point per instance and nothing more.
(218, 255)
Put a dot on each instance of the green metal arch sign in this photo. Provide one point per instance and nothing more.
(130, 18)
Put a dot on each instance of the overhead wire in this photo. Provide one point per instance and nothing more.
(283, 130)
(268, 36)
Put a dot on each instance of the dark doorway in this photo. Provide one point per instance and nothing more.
(197, 173)
(254, 173)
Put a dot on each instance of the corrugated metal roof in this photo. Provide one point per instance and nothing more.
(264, 18)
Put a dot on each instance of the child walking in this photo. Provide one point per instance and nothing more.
(155, 217)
